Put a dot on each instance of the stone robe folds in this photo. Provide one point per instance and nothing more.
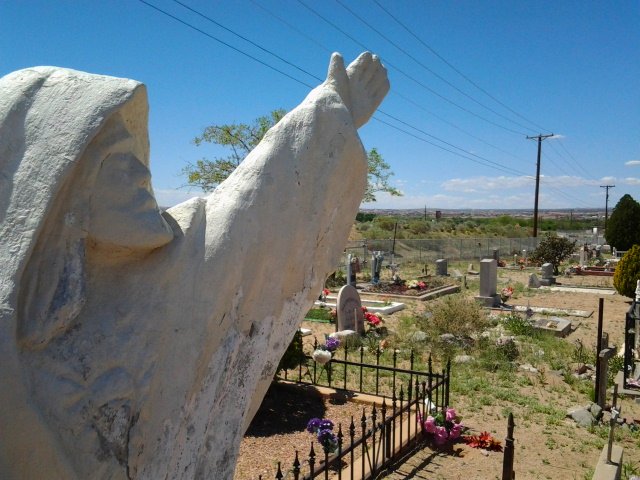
(149, 363)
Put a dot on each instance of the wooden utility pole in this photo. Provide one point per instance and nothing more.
(606, 205)
(535, 205)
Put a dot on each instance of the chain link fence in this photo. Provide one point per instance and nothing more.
(455, 249)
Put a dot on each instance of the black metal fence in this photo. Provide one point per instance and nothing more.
(357, 375)
(392, 426)
(383, 437)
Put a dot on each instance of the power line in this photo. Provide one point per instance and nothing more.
(467, 155)
(224, 43)
(453, 125)
(435, 74)
(454, 68)
(566, 195)
(393, 92)
(503, 167)
(402, 72)
(248, 40)
(493, 165)
(292, 27)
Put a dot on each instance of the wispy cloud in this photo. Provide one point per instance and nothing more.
(632, 163)
(169, 197)
(632, 181)
(477, 184)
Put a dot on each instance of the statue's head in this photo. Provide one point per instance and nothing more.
(74, 172)
(123, 210)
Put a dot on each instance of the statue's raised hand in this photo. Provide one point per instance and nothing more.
(362, 85)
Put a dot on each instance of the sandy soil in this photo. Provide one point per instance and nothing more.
(543, 448)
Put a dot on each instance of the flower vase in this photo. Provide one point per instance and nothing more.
(321, 356)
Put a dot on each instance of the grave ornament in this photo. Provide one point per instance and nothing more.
(138, 344)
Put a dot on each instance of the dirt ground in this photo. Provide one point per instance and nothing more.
(544, 449)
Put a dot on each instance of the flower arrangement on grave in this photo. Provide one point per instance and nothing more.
(505, 293)
(324, 353)
(374, 320)
(334, 314)
(443, 427)
(323, 429)
(323, 295)
(416, 284)
(484, 441)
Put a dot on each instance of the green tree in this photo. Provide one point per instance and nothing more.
(628, 272)
(553, 249)
(378, 177)
(622, 227)
(241, 138)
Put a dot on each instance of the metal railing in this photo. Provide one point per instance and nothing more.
(348, 373)
(389, 431)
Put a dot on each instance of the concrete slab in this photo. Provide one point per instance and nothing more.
(560, 327)
(555, 311)
(595, 291)
(609, 471)
(374, 306)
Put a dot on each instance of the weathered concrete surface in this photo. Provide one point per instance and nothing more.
(139, 345)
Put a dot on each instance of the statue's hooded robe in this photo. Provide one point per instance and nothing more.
(149, 364)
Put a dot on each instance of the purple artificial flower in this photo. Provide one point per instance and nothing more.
(328, 440)
(325, 424)
(332, 344)
(313, 425)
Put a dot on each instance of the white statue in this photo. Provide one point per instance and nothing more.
(135, 344)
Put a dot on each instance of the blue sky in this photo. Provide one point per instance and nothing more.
(571, 68)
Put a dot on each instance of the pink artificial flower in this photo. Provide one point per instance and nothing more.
(456, 430)
(441, 435)
(430, 424)
(450, 415)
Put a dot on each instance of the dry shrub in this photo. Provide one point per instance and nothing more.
(452, 322)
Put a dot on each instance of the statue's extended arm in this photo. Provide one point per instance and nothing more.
(362, 86)
(272, 232)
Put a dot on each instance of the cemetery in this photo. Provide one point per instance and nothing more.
(535, 359)
(140, 343)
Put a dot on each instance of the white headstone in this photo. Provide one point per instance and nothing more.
(349, 309)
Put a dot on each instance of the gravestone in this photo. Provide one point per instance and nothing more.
(376, 266)
(534, 281)
(441, 267)
(349, 309)
(496, 254)
(582, 257)
(488, 283)
(560, 327)
(547, 274)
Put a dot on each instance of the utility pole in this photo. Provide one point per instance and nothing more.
(535, 205)
(606, 205)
